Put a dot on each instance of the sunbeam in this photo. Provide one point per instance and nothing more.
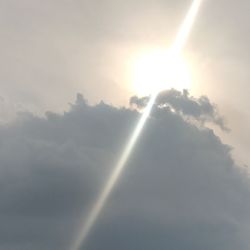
(186, 27)
(105, 193)
(114, 176)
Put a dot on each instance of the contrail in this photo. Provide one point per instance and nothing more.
(180, 41)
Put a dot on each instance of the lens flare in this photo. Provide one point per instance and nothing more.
(105, 193)
(114, 176)
(186, 27)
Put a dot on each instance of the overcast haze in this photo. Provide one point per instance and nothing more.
(186, 185)
(52, 49)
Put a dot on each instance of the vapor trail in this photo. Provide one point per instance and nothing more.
(104, 195)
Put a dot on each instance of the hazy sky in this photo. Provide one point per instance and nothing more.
(52, 49)
(52, 167)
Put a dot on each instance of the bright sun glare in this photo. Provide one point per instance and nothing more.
(159, 69)
(153, 72)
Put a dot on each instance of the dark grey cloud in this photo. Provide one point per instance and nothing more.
(200, 109)
(180, 190)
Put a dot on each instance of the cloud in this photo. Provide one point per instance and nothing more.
(200, 109)
(180, 190)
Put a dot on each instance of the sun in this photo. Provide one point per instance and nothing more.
(159, 69)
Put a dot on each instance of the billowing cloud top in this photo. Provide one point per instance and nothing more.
(180, 190)
(201, 109)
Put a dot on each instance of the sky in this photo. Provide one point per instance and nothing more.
(68, 106)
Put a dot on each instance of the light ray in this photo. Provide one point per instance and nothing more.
(186, 27)
(114, 175)
(105, 193)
